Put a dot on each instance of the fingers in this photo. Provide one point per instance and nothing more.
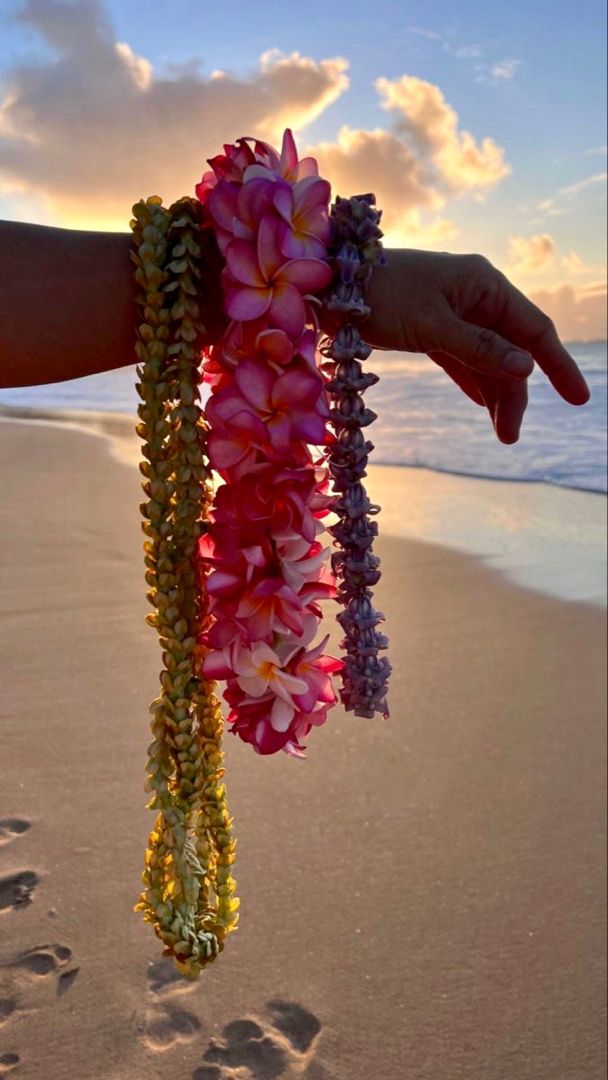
(529, 328)
(483, 349)
(488, 387)
(459, 373)
(508, 401)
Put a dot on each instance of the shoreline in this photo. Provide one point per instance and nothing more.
(540, 536)
(421, 897)
(122, 424)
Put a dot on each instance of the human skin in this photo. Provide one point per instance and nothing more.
(67, 309)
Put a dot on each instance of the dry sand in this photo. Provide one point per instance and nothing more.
(422, 899)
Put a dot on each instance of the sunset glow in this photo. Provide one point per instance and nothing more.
(472, 140)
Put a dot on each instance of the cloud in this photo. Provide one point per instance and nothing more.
(499, 71)
(378, 161)
(86, 133)
(550, 206)
(424, 118)
(93, 129)
(432, 35)
(573, 262)
(139, 69)
(598, 150)
(530, 254)
(504, 69)
(414, 167)
(579, 314)
(462, 52)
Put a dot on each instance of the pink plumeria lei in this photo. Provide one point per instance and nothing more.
(261, 560)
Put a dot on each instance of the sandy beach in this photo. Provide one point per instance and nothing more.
(421, 899)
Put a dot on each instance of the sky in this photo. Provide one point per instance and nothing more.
(479, 127)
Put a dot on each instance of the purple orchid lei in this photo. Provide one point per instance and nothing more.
(354, 251)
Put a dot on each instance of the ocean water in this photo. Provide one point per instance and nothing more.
(425, 420)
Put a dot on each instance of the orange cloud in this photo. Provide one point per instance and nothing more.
(416, 166)
(424, 118)
(377, 161)
(82, 136)
(530, 254)
(94, 129)
(579, 314)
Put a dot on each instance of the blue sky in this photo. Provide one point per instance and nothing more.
(529, 77)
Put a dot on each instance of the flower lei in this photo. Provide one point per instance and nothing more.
(355, 248)
(237, 585)
(188, 888)
(267, 412)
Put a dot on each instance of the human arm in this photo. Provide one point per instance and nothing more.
(67, 304)
(468, 317)
(67, 309)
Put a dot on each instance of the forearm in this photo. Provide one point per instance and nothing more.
(67, 304)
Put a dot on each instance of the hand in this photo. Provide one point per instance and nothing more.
(469, 318)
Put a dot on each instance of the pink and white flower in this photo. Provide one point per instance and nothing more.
(261, 561)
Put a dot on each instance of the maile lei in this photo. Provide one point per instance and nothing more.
(237, 583)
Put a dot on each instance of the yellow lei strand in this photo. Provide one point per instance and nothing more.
(188, 894)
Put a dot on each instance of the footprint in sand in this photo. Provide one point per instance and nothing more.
(16, 889)
(164, 977)
(164, 1026)
(8, 1062)
(282, 1047)
(12, 827)
(7, 1006)
(42, 964)
(45, 960)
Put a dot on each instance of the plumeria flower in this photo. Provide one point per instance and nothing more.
(222, 632)
(286, 164)
(315, 668)
(234, 442)
(237, 209)
(227, 166)
(250, 720)
(258, 674)
(269, 501)
(322, 588)
(268, 607)
(260, 281)
(254, 340)
(237, 159)
(302, 722)
(259, 670)
(299, 562)
(263, 411)
(292, 406)
(305, 230)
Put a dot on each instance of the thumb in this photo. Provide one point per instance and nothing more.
(483, 350)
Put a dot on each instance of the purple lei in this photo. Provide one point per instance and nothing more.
(355, 249)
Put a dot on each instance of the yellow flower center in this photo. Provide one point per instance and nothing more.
(267, 671)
